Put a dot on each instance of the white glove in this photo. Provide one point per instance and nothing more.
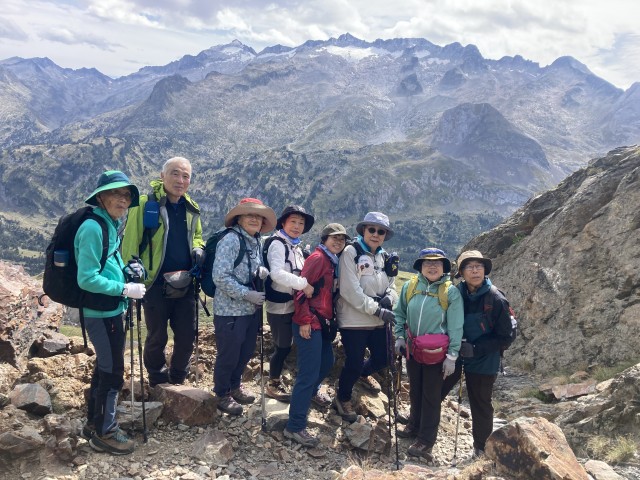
(400, 346)
(254, 297)
(134, 290)
(449, 366)
(262, 273)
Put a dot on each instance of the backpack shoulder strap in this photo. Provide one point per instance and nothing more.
(443, 294)
(411, 289)
(265, 250)
(105, 238)
(243, 246)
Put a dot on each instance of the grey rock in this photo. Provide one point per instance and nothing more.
(31, 397)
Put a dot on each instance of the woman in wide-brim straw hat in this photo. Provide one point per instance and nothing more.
(367, 295)
(285, 260)
(487, 331)
(237, 303)
(108, 285)
(420, 311)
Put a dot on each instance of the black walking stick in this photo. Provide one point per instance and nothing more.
(137, 279)
(259, 286)
(128, 325)
(391, 390)
(196, 273)
(455, 443)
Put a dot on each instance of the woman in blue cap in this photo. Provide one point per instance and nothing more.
(112, 198)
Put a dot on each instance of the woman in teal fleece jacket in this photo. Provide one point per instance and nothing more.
(112, 198)
(424, 313)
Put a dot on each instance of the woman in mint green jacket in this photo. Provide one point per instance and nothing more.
(112, 198)
(432, 305)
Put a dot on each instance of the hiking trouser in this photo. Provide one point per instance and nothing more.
(108, 339)
(282, 334)
(355, 342)
(315, 359)
(425, 383)
(480, 389)
(179, 314)
(235, 342)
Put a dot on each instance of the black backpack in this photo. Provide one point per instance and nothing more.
(206, 280)
(269, 292)
(60, 283)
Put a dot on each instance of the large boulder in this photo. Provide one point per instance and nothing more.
(31, 398)
(535, 449)
(187, 405)
(569, 262)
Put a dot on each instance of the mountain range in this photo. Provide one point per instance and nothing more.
(444, 141)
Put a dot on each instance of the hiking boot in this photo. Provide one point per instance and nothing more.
(321, 399)
(115, 442)
(370, 384)
(228, 405)
(477, 454)
(345, 410)
(407, 432)
(303, 437)
(419, 449)
(278, 391)
(243, 395)
(87, 431)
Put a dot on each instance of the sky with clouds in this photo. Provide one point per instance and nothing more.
(119, 37)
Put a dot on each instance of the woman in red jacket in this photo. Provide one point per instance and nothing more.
(314, 328)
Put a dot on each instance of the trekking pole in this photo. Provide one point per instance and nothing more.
(259, 286)
(455, 443)
(391, 390)
(145, 436)
(129, 326)
(197, 298)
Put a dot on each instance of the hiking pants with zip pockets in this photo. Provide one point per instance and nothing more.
(108, 339)
(425, 383)
(235, 341)
(479, 389)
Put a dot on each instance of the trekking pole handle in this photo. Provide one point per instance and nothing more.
(135, 277)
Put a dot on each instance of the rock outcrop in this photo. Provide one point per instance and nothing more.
(569, 262)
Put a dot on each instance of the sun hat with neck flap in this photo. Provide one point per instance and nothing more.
(111, 180)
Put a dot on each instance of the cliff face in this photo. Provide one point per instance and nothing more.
(569, 261)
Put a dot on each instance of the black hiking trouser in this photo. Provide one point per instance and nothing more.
(108, 339)
(180, 315)
(480, 391)
(425, 382)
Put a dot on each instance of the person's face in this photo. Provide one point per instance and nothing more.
(373, 236)
(251, 222)
(176, 180)
(293, 225)
(432, 269)
(335, 243)
(116, 201)
(473, 274)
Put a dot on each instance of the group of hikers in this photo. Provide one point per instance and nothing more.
(446, 332)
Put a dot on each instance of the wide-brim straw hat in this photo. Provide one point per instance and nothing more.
(255, 206)
(473, 255)
(432, 253)
(111, 180)
(375, 218)
(297, 209)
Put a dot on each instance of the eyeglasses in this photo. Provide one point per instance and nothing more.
(475, 266)
(373, 230)
(120, 195)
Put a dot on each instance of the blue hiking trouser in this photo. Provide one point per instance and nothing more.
(180, 315)
(315, 359)
(236, 342)
(355, 342)
(108, 339)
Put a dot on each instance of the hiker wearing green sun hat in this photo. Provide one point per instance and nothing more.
(429, 332)
(112, 198)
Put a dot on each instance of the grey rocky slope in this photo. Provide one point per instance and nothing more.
(569, 260)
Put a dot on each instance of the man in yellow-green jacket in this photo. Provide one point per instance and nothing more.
(165, 231)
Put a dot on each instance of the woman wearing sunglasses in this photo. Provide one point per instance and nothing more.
(363, 309)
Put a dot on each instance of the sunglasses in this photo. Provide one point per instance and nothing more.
(373, 230)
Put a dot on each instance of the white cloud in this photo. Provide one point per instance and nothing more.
(154, 32)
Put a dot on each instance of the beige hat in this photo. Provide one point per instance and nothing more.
(473, 255)
(252, 205)
(334, 229)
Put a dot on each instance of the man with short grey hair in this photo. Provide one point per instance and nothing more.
(165, 231)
